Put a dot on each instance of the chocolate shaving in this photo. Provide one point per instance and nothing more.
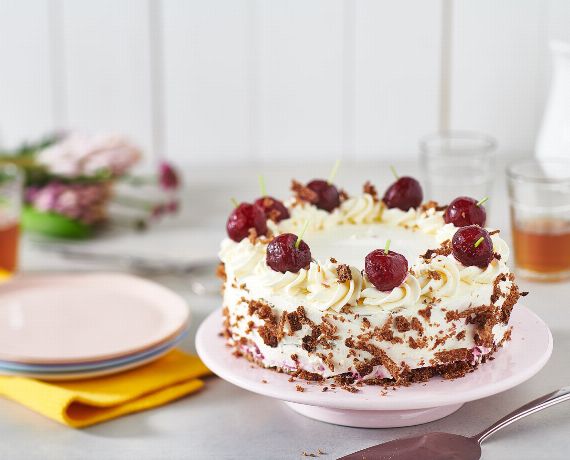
(252, 236)
(402, 324)
(450, 356)
(303, 193)
(221, 271)
(370, 190)
(432, 205)
(294, 321)
(443, 250)
(344, 273)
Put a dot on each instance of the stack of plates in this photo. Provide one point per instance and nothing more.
(67, 327)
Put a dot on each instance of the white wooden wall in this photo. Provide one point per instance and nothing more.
(204, 81)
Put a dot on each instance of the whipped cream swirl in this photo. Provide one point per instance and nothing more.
(241, 258)
(363, 209)
(438, 278)
(405, 295)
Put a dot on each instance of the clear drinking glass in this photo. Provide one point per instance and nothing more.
(539, 192)
(10, 209)
(457, 163)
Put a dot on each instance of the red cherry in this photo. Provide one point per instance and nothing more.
(404, 194)
(328, 196)
(465, 211)
(273, 208)
(283, 256)
(472, 246)
(385, 270)
(243, 218)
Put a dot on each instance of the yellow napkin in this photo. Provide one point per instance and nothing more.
(83, 403)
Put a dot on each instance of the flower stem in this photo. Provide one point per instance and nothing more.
(298, 242)
(262, 187)
(334, 171)
(394, 172)
(483, 200)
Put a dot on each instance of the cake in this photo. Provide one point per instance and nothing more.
(312, 289)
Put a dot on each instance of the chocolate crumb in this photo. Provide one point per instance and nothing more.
(303, 192)
(344, 273)
(221, 271)
(252, 236)
(443, 250)
(300, 388)
(370, 190)
(402, 324)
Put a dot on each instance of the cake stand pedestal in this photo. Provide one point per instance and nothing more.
(374, 418)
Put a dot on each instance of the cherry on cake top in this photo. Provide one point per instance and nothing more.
(288, 253)
(385, 269)
(243, 218)
(472, 246)
(464, 211)
(405, 193)
(273, 208)
(327, 195)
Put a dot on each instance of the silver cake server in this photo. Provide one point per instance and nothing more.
(447, 446)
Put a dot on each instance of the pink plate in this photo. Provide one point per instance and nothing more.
(526, 353)
(77, 318)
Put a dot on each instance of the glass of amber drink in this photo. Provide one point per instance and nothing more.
(10, 208)
(539, 192)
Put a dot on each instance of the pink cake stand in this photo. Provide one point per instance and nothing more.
(526, 353)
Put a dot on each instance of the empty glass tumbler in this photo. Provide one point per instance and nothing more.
(457, 163)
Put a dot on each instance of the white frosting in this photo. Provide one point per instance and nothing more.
(405, 295)
(363, 209)
(438, 278)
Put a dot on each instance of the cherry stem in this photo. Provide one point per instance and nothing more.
(334, 170)
(235, 202)
(387, 247)
(262, 185)
(394, 172)
(298, 242)
(483, 200)
(478, 242)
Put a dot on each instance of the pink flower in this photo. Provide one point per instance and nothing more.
(83, 202)
(168, 177)
(81, 155)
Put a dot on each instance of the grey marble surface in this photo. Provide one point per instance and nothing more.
(226, 422)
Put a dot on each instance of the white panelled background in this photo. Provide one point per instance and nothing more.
(204, 81)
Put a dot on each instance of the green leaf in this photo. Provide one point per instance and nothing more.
(53, 224)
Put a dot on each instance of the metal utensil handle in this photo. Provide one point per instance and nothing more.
(534, 406)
